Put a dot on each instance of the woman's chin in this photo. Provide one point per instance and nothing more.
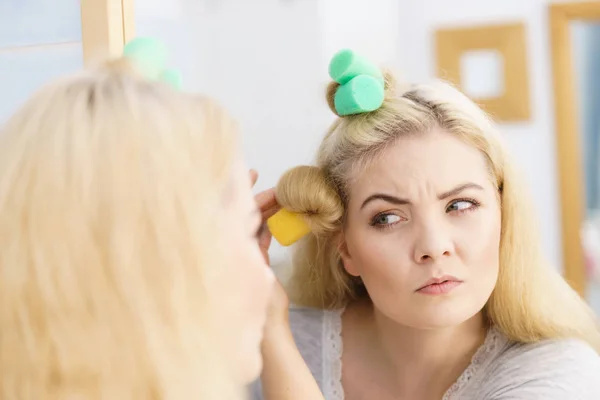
(432, 317)
(438, 323)
(446, 318)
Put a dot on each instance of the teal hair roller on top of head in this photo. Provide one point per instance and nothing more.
(362, 86)
(172, 77)
(150, 57)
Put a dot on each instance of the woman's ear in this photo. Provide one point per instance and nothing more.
(347, 260)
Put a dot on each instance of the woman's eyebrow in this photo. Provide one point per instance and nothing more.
(400, 201)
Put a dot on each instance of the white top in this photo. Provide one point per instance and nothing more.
(499, 370)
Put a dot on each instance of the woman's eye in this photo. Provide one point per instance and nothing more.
(385, 219)
(461, 205)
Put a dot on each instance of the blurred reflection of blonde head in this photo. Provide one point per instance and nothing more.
(110, 188)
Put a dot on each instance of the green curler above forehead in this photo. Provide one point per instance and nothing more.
(149, 56)
(360, 95)
(346, 65)
(172, 77)
(362, 86)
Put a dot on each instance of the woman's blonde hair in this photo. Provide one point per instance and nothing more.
(110, 190)
(530, 301)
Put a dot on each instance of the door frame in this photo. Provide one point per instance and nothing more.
(568, 140)
(106, 25)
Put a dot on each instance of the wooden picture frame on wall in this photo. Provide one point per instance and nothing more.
(106, 25)
(568, 136)
(512, 104)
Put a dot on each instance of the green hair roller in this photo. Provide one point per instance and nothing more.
(150, 57)
(362, 86)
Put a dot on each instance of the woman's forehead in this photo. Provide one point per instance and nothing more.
(438, 160)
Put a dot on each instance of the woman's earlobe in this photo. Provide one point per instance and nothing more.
(347, 261)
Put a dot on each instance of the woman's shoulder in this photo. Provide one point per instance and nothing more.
(302, 313)
(549, 369)
(556, 354)
(317, 333)
(311, 323)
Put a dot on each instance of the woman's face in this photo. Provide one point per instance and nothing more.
(425, 212)
(247, 281)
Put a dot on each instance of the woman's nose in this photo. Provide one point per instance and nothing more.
(432, 243)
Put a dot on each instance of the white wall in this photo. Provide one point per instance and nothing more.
(371, 30)
(532, 142)
(39, 41)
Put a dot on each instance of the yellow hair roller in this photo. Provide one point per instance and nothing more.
(287, 227)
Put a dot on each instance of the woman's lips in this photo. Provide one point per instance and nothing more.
(438, 286)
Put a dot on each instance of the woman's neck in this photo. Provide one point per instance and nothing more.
(422, 362)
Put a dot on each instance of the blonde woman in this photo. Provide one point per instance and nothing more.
(120, 200)
(423, 277)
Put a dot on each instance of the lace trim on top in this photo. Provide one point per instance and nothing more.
(332, 358)
(332, 355)
(489, 346)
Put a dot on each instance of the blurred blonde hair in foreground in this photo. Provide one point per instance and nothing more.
(110, 190)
